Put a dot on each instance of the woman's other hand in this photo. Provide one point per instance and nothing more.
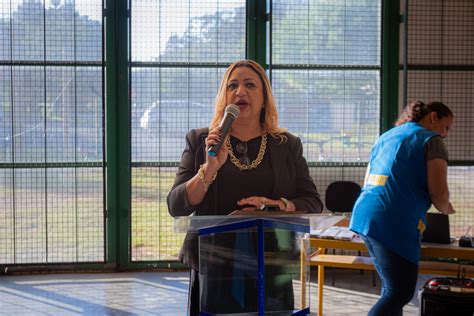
(258, 201)
(255, 201)
(450, 210)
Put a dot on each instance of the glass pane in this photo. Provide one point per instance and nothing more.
(153, 236)
(60, 29)
(163, 113)
(61, 114)
(89, 112)
(74, 114)
(461, 186)
(29, 110)
(62, 215)
(88, 30)
(28, 30)
(90, 215)
(6, 216)
(75, 215)
(188, 31)
(72, 30)
(6, 117)
(30, 215)
(334, 112)
(340, 32)
(441, 35)
(5, 30)
(455, 89)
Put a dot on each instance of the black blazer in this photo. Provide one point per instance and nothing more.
(289, 167)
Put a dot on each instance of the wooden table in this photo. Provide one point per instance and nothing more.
(428, 250)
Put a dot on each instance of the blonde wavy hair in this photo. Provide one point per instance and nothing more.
(269, 114)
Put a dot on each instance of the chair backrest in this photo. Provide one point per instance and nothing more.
(342, 195)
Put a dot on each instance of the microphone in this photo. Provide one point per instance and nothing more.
(230, 114)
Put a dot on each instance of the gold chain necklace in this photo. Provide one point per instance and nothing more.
(253, 164)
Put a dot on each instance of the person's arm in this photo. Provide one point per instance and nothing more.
(307, 196)
(177, 200)
(191, 185)
(197, 186)
(437, 170)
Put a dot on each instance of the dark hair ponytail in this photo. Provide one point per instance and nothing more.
(416, 111)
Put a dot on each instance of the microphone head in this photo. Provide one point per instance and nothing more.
(233, 110)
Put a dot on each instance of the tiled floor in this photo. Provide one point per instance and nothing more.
(153, 293)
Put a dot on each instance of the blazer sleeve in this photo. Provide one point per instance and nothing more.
(307, 197)
(177, 200)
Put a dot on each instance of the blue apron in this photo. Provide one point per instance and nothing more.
(395, 197)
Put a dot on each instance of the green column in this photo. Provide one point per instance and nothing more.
(117, 135)
(390, 63)
(257, 31)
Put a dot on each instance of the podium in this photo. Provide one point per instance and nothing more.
(252, 265)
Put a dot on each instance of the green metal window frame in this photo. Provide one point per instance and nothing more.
(118, 133)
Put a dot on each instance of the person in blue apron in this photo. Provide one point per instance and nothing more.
(407, 173)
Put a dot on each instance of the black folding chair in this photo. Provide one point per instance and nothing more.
(340, 198)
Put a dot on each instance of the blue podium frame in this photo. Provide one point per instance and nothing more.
(260, 224)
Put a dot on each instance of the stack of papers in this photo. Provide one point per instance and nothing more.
(345, 234)
(337, 232)
(318, 224)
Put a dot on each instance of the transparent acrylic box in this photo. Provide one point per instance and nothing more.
(252, 265)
